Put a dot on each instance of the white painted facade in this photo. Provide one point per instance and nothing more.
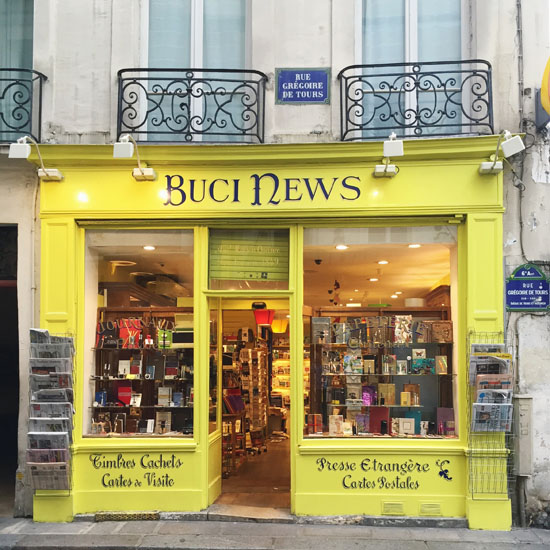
(80, 46)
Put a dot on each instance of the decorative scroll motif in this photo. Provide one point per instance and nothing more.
(20, 103)
(443, 472)
(191, 104)
(416, 99)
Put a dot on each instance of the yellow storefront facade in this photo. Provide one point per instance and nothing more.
(272, 186)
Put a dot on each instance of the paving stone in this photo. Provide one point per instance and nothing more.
(341, 543)
(7, 542)
(189, 528)
(10, 525)
(526, 535)
(141, 527)
(207, 542)
(31, 528)
(67, 542)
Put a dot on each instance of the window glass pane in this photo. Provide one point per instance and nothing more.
(248, 259)
(214, 361)
(139, 338)
(384, 31)
(382, 360)
(224, 34)
(16, 31)
(169, 33)
(439, 30)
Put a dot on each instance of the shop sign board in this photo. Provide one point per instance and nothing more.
(303, 86)
(527, 289)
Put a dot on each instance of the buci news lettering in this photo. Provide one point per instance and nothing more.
(267, 189)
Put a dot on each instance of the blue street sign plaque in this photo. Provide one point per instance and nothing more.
(527, 289)
(300, 86)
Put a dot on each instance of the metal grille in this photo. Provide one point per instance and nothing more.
(127, 516)
(491, 467)
(435, 98)
(185, 105)
(20, 104)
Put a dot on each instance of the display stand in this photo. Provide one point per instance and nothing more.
(233, 443)
(50, 411)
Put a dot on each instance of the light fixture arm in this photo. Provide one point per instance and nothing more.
(24, 140)
(128, 137)
(502, 134)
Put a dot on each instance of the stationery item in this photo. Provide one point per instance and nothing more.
(100, 398)
(357, 365)
(405, 398)
(421, 332)
(402, 367)
(123, 367)
(164, 396)
(386, 392)
(370, 395)
(418, 353)
(164, 339)
(417, 417)
(135, 365)
(449, 428)
(441, 364)
(442, 331)
(423, 366)
(177, 398)
(129, 332)
(335, 425)
(347, 428)
(314, 424)
(444, 414)
(402, 329)
(107, 335)
(163, 422)
(394, 426)
(369, 366)
(414, 391)
(377, 416)
(424, 427)
(340, 333)
(124, 392)
(150, 372)
(353, 391)
(362, 423)
(406, 426)
(135, 400)
(389, 364)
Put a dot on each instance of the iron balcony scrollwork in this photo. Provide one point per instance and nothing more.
(437, 98)
(175, 105)
(20, 103)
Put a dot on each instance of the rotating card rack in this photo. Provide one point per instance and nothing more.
(50, 411)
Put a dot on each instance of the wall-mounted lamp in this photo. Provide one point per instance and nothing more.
(510, 146)
(21, 150)
(124, 148)
(392, 148)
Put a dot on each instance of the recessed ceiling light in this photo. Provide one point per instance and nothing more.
(288, 316)
(398, 292)
(148, 247)
(383, 262)
(415, 246)
(356, 290)
(351, 299)
(394, 296)
(355, 304)
(342, 247)
(373, 279)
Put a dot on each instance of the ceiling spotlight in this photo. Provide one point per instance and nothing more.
(342, 247)
(149, 247)
(356, 290)
(415, 246)
(373, 279)
(398, 292)
(383, 262)
(510, 146)
(394, 296)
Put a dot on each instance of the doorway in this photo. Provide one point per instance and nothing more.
(254, 348)
(9, 361)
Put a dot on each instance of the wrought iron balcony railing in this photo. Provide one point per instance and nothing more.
(20, 104)
(416, 99)
(175, 105)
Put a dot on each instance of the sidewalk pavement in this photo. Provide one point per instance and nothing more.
(24, 534)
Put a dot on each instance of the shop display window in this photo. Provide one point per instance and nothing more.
(139, 350)
(248, 259)
(382, 332)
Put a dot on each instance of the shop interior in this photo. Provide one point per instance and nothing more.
(378, 314)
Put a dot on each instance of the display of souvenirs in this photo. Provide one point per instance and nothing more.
(389, 364)
(442, 331)
(402, 329)
(441, 364)
(336, 425)
(423, 366)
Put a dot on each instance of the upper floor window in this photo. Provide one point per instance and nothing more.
(197, 33)
(397, 31)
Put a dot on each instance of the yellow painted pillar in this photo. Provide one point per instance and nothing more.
(488, 505)
(58, 315)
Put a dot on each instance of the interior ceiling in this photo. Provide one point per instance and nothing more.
(414, 272)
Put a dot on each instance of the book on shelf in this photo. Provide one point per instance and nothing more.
(123, 367)
(402, 329)
(164, 395)
(406, 426)
(417, 417)
(442, 332)
(362, 423)
(124, 392)
(370, 395)
(441, 364)
(414, 390)
(386, 394)
(335, 425)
